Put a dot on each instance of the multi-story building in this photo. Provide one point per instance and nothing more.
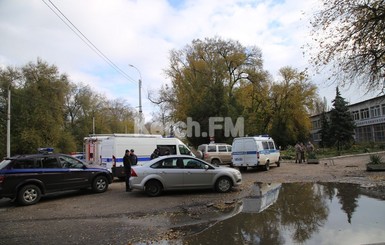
(369, 118)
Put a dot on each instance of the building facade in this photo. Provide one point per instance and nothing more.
(369, 118)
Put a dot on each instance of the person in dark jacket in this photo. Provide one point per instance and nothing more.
(134, 158)
(127, 169)
(155, 154)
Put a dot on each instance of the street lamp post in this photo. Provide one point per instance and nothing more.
(140, 98)
(9, 123)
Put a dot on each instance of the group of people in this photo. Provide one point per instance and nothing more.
(301, 149)
(129, 159)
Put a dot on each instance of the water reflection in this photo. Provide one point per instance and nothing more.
(300, 213)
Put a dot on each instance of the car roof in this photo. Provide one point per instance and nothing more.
(37, 155)
(215, 144)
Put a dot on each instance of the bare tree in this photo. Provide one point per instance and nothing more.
(351, 39)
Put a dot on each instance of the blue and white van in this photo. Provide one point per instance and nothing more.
(257, 151)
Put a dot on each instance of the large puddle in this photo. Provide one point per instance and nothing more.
(295, 213)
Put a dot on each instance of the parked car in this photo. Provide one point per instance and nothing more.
(177, 172)
(215, 153)
(26, 178)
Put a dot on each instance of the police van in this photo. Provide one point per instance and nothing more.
(256, 151)
(112, 147)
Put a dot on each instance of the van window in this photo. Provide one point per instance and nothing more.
(211, 148)
(183, 150)
(229, 148)
(271, 145)
(167, 149)
(222, 148)
(265, 145)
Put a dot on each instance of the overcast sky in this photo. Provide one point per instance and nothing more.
(142, 33)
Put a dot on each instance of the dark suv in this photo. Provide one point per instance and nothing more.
(28, 177)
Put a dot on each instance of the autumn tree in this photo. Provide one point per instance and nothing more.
(342, 125)
(351, 38)
(253, 101)
(292, 98)
(38, 107)
(204, 76)
(47, 109)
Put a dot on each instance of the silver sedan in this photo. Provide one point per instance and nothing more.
(177, 172)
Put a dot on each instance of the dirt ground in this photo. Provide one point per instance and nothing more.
(351, 169)
(343, 169)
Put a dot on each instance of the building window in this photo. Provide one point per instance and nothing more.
(375, 111)
(383, 109)
(316, 124)
(356, 115)
(364, 113)
(379, 133)
(364, 134)
(316, 137)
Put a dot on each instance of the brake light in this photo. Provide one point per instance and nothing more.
(257, 154)
(2, 178)
(133, 173)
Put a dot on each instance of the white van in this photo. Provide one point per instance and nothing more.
(254, 152)
(112, 149)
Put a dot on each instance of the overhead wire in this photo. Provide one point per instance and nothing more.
(82, 37)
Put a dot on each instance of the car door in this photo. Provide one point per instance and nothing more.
(197, 174)
(52, 174)
(76, 174)
(224, 155)
(170, 173)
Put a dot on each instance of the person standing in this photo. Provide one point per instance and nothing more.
(134, 158)
(297, 152)
(303, 149)
(127, 169)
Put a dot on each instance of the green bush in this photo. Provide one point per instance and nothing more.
(311, 155)
(375, 159)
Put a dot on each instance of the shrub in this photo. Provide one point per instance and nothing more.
(312, 155)
(375, 159)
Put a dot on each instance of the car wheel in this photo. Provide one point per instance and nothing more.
(215, 162)
(278, 163)
(267, 166)
(223, 184)
(153, 188)
(29, 194)
(100, 184)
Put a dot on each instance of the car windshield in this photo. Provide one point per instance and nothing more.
(4, 163)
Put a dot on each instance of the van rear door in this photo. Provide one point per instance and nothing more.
(251, 149)
(237, 152)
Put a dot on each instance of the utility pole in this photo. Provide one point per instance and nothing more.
(9, 123)
(140, 100)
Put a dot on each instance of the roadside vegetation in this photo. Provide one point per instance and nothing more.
(289, 152)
